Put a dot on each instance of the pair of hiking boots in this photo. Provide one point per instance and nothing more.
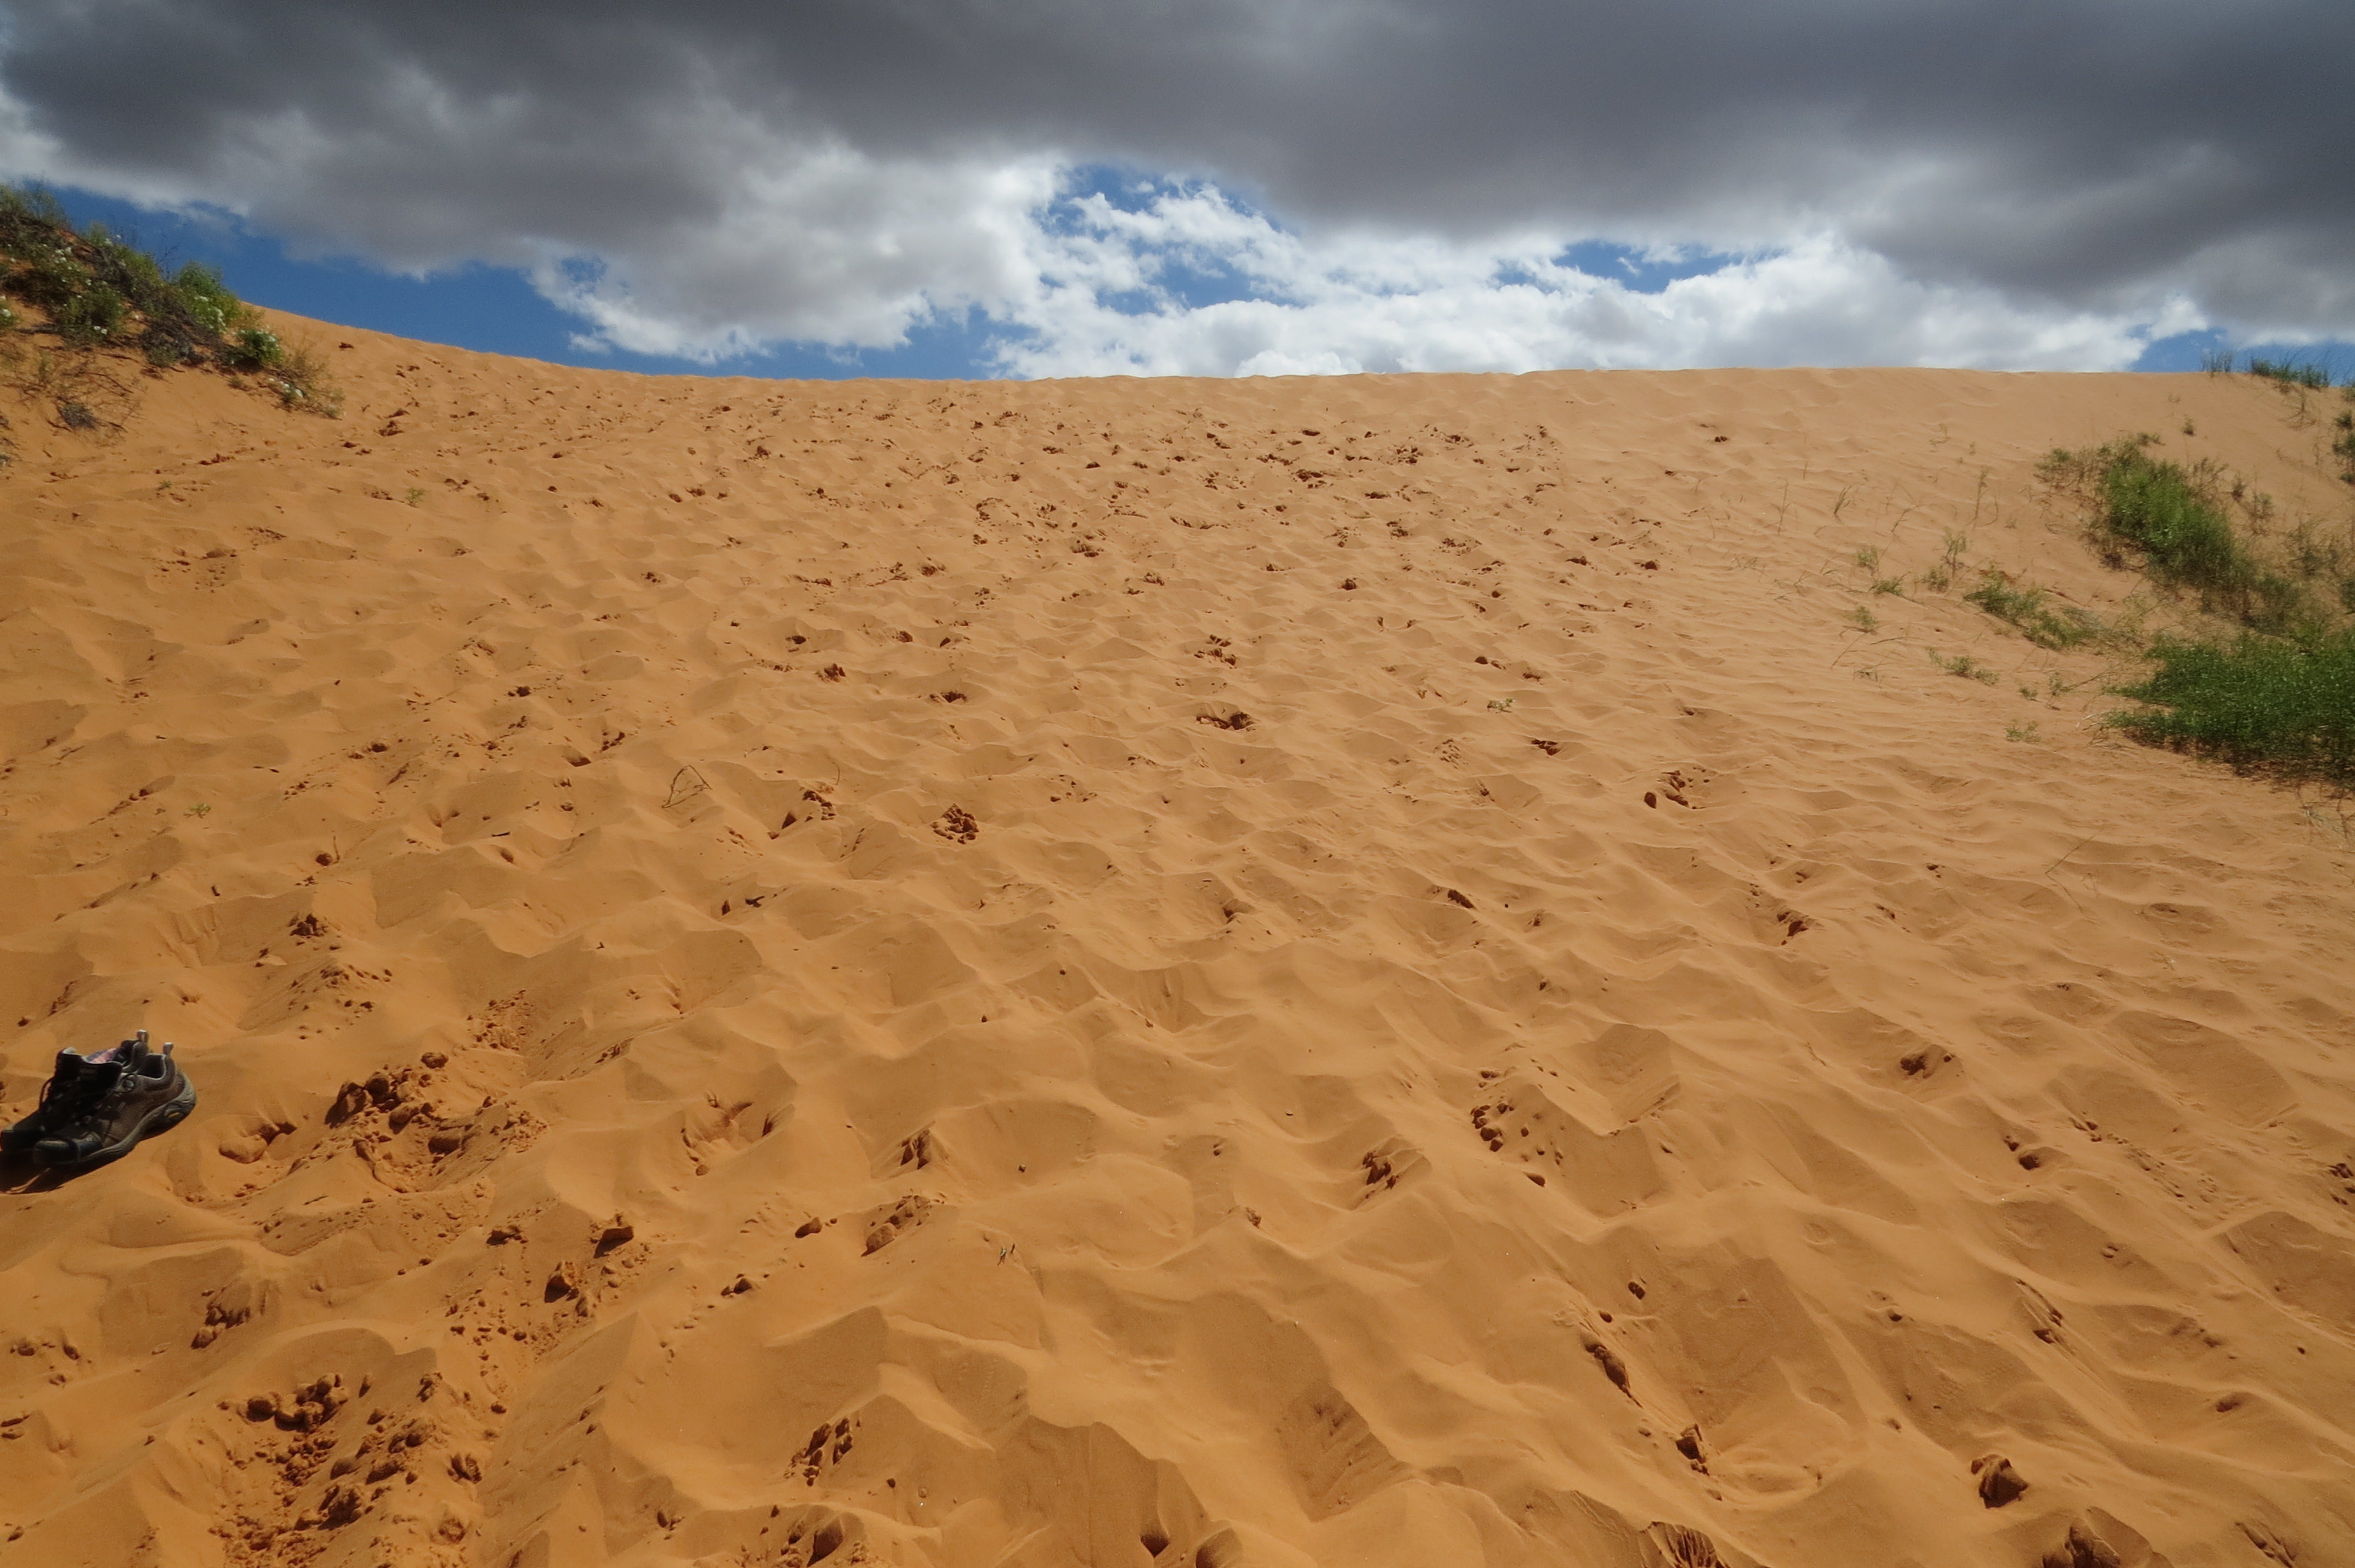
(94, 1108)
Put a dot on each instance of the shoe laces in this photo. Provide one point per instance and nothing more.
(91, 1084)
(85, 1092)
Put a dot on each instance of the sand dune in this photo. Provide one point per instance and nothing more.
(1278, 972)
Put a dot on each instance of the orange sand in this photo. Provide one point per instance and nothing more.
(851, 1057)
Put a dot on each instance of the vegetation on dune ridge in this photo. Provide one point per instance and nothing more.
(2273, 694)
(2298, 377)
(2173, 519)
(2312, 373)
(95, 291)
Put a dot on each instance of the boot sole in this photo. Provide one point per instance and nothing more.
(163, 1118)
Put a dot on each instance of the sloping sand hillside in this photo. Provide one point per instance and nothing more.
(1368, 971)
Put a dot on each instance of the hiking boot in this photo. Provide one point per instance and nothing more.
(93, 1108)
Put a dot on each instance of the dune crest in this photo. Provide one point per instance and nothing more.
(1272, 972)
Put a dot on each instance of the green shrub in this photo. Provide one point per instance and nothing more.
(2277, 703)
(2186, 538)
(28, 211)
(125, 268)
(204, 299)
(49, 277)
(253, 349)
(94, 314)
(2025, 608)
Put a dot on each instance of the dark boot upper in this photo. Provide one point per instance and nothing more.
(99, 1102)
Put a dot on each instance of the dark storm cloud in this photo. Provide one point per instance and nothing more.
(2077, 152)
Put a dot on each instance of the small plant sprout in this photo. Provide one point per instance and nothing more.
(2021, 732)
(2323, 822)
(2025, 609)
(1867, 556)
(1863, 619)
(1888, 585)
(1501, 705)
(1964, 665)
(416, 495)
(200, 810)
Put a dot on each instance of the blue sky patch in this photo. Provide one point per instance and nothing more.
(1640, 270)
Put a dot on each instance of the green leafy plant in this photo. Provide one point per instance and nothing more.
(1888, 585)
(2021, 732)
(92, 316)
(50, 276)
(1863, 619)
(253, 348)
(2274, 704)
(199, 291)
(1867, 556)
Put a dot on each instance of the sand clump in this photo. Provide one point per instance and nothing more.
(1268, 972)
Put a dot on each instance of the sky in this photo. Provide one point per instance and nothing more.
(1054, 188)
